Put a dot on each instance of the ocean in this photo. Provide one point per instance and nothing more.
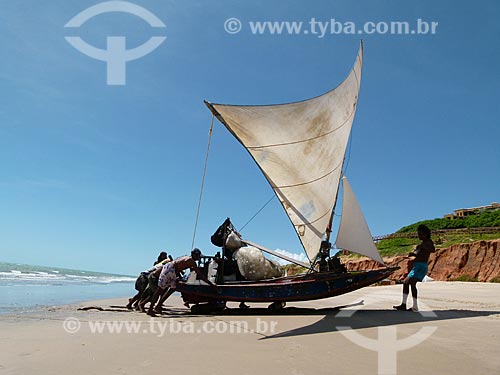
(24, 288)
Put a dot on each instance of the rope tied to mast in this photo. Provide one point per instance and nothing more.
(203, 181)
(258, 212)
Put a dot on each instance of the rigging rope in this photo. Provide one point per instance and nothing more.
(348, 153)
(203, 181)
(258, 212)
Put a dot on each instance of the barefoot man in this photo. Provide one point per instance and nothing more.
(168, 277)
(419, 270)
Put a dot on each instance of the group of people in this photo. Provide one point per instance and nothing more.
(156, 284)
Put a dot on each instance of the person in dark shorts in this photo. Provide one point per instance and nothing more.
(141, 284)
(167, 279)
(419, 269)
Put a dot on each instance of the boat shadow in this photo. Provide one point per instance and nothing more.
(339, 320)
(297, 311)
(181, 312)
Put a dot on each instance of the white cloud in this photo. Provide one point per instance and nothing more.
(300, 257)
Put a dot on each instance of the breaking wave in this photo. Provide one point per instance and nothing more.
(11, 274)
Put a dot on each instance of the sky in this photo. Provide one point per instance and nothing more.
(104, 177)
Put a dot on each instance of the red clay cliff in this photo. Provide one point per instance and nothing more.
(478, 261)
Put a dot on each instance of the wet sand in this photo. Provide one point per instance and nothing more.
(457, 331)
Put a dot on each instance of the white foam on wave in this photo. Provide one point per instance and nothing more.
(44, 278)
(18, 275)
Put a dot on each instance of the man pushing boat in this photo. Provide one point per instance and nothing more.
(144, 292)
(168, 279)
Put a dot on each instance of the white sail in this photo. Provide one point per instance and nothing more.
(354, 234)
(300, 149)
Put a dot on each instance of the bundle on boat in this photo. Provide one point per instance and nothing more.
(243, 262)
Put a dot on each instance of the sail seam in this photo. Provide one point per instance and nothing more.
(311, 181)
(306, 140)
(314, 221)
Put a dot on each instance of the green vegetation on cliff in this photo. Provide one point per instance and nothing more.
(489, 218)
(402, 246)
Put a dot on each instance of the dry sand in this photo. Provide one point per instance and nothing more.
(462, 320)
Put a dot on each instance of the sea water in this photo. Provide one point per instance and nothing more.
(26, 287)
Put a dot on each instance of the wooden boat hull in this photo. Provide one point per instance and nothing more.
(295, 288)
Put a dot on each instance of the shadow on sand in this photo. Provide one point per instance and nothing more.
(336, 317)
(368, 318)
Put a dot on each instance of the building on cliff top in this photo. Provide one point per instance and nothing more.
(463, 212)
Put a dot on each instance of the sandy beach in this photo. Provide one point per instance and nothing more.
(457, 331)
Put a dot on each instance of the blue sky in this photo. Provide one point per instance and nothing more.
(103, 177)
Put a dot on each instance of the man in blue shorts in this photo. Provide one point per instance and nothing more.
(419, 269)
